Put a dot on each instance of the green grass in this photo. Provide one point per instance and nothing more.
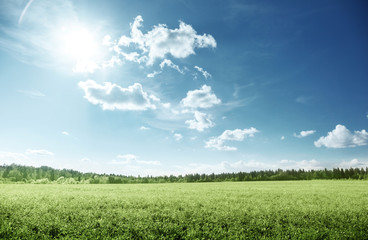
(229, 210)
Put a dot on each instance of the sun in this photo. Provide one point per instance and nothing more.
(78, 43)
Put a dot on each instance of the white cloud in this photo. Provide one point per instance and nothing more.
(204, 73)
(178, 136)
(143, 128)
(39, 152)
(251, 165)
(282, 138)
(169, 63)
(32, 93)
(12, 157)
(303, 134)
(85, 160)
(152, 75)
(200, 121)
(304, 164)
(200, 98)
(341, 137)
(125, 159)
(112, 96)
(354, 163)
(160, 41)
(65, 133)
(131, 159)
(30, 158)
(230, 135)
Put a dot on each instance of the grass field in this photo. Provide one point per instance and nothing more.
(229, 210)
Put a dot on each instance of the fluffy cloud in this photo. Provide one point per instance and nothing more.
(354, 163)
(341, 137)
(160, 41)
(112, 96)
(143, 128)
(204, 73)
(200, 121)
(304, 133)
(230, 135)
(169, 63)
(200, 98)
(65, 133)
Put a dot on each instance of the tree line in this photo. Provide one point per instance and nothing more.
(44, 174)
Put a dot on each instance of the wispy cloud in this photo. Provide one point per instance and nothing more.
(204, 73)
(178, 136)
(131, 159)
(32, 93)
(39, 152)
(169, 63)
(24, 11)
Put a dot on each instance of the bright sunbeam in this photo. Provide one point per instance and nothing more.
(78, 43)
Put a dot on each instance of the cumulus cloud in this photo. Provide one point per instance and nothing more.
(341, 137)
(111, 96)
(204, 73)
(65, 133)
(303, 134)
(230, 135)
(143, 128)
(178, 136)
(169, 63)
(200, 122)
(161, 41)
(354, 163)
(282, 138)
(39, 152)
(200, 98)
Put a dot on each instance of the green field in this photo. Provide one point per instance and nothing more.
(229, 210)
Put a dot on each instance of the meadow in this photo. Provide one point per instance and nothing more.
(317, 209)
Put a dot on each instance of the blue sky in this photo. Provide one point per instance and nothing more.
(176, 87)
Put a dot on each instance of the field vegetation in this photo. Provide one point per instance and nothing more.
(323, 209)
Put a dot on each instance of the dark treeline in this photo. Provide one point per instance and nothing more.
(26, 174)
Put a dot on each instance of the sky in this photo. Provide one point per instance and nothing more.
(176, 87)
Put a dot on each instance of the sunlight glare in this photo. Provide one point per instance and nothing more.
(79, 43)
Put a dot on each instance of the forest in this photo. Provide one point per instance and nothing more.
(42, 175)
